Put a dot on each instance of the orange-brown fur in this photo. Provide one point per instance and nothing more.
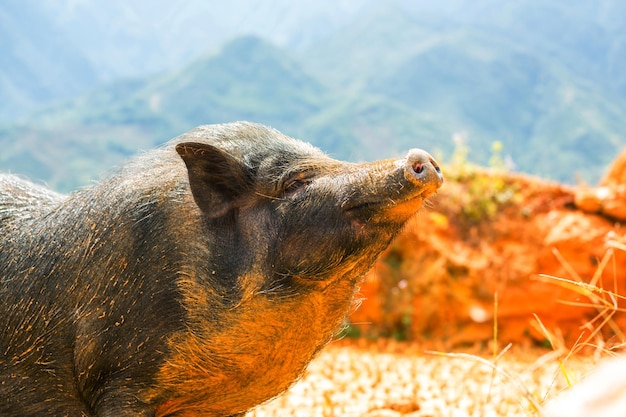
(263, 352)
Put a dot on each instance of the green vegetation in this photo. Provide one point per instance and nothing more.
(485, 191)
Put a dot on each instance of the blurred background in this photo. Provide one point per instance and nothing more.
(86, 84)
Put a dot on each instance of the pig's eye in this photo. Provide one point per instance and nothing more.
(294, 185)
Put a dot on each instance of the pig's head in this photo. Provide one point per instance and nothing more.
(297, 217)
(287, 232)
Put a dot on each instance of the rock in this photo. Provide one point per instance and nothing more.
(615, 206)
(590, 200)
(609, 198)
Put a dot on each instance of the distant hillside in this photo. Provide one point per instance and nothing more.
(32, 74)
(554, 118)
(544, 78)
(74, 142)
(53, 50)
(248, 79)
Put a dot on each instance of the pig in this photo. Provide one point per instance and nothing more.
(199, 279)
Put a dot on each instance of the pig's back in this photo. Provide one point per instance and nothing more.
(21, 200)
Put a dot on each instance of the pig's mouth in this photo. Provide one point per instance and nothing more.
(380, 205)
(365, 211)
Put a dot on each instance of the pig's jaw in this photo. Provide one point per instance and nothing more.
(364, 216)
(254, 358)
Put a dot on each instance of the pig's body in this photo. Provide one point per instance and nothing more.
(194, 286)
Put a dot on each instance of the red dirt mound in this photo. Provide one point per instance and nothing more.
(491, 233)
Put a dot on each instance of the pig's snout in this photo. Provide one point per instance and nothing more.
(420, 168)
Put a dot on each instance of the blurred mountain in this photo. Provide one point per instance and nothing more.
(88, 85)
(248, 79)
(37, 65)
(491, 78)
(57, 49)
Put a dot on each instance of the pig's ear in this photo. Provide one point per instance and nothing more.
(217, 180)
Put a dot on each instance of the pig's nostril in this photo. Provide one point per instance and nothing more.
(421, 168)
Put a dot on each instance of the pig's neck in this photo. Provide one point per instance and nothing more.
(216, 369)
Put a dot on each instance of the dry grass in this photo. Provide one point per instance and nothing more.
(393, 379)
(386, 378)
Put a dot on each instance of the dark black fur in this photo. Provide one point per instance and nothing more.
(89, 283)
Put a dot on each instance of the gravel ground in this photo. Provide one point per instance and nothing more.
(388, 379)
